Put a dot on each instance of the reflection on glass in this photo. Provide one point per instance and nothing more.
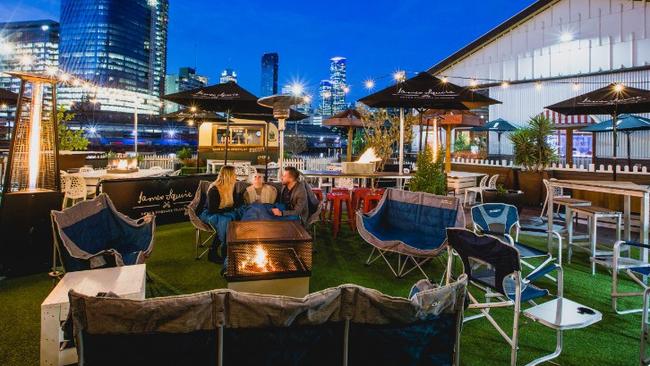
(239, 135)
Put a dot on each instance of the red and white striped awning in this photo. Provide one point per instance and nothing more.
(563, 121)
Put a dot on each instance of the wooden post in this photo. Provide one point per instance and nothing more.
(350, 138)
(448, 149)
(568, 153)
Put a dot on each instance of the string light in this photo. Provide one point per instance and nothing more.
(473, 83)
(193, 109)
(538, 85)
(369, 84)
(576, 86)
(505, 84)
(399, 75)
(618, 87)
(444, 80)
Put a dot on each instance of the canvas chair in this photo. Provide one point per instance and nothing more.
(93, 234)
(493, 267)
(193, 211)
(635, 269)
(411, 225)
(502, 220)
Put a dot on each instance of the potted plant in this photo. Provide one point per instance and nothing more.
(533, 154)
(430, 176)
(503, 195)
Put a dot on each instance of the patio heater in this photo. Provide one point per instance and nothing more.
(32, 185)
(281, 105)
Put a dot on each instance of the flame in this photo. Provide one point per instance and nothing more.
(35, 134)
(369, 156)
(259, 262)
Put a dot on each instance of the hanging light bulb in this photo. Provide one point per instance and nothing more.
(505, 84)
(399, 75)
(538, 85)
(618, 87)
(444, 79)
(473, 83)
(369, 84)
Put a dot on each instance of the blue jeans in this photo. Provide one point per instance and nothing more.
(220, 221)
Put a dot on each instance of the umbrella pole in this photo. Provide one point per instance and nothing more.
(426, 135)
(499, 143)
(615, 142)
(401, 141)
(629, 155)
(225, 162)
(420, 132)
(350, 138)
(266, 153)
(448, 149)
(281, 127)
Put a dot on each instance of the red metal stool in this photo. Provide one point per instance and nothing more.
(370, 201)
(329, 204)
(337, 200)
(357, 197)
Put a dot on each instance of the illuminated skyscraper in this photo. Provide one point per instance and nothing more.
(116, 44)
(31, 46)
(186, 79)
(339, 83)
(326, 98)
(269, 85)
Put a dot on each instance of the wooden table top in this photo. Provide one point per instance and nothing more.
(247, 231)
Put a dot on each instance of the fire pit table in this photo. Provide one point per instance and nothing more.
(269, 257)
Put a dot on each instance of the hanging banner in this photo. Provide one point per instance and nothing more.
(166, 197)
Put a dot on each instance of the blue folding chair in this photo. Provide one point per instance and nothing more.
(634, 268)
(502, 220)
(493, 266)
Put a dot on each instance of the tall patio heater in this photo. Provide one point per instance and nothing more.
(281, 105)
(32, 186)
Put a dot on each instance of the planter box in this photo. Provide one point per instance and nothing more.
(531, 184)
(511, 197)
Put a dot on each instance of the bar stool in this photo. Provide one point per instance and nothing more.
(593, 214)
(371, 201)
(357, 196)
(329, 204)
(337, 200)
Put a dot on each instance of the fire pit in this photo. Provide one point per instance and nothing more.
(122, 166)
(366, 164)
(272, 257)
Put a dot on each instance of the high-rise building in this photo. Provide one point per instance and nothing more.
(270, 62)
(118, 45)
(186, 79)
(228, 75)
(339, 83)
(326, 97)
(31, 46)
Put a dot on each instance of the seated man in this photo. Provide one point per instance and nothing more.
(293, 196)
(260, 192)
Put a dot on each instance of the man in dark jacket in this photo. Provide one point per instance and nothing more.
(293, 195)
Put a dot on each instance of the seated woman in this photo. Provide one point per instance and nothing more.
(221, 207)
(260, 192)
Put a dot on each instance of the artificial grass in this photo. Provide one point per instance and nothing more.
(173, 270)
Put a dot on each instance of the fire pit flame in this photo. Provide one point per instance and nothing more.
(259, 262)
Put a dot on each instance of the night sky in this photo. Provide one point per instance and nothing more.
(378, 37)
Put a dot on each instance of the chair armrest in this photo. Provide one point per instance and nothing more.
(542, 271)
(632, 243)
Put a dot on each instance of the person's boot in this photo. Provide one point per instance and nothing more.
(213, 253)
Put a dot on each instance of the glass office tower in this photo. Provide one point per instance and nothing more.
(339, 83)
(270, 63)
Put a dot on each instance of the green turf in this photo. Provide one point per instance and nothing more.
(173, 269)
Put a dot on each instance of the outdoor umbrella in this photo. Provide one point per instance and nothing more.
(8, 98)
(423, 92)
(499, 126)
(614, 99)
(626, 123)
(350, 118)
(229, 98)
(192, 114)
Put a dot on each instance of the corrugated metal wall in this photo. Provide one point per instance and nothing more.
(522, 101)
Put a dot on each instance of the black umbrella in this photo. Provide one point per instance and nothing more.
(425, 91)
(499, 126)
(192, 114)
(614, 99)
(229, 98)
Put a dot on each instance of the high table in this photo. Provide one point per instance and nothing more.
(625, 189)
(125, 281)
(332, 174)
(92, 178)
(459, 181)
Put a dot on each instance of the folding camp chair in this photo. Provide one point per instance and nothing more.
(411, 225)
(93, 234)
(644, 358)
(634, 268)
(500, 219)
(494, 266)
(193, 211)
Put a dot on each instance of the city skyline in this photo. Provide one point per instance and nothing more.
(205, 36)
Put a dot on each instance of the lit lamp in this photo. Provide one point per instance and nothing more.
(281, 105)
(32, 183)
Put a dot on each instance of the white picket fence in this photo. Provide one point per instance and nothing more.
(163, 161)
(309, 163)
(559, 166)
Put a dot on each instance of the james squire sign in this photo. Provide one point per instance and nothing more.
(166, 197)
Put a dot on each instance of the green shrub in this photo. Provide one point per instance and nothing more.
(430, 176)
